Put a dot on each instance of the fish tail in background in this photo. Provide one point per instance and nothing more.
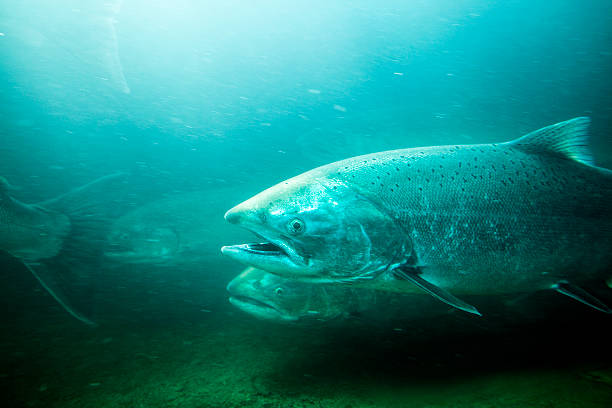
(74, 201)
(47, 278)
(70, 277)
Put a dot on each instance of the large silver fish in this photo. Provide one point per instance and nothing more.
(526, 215)
(57, 240)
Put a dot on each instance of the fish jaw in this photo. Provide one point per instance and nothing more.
(259, 309)
(254, 255)
(272, 255)
(142, 245)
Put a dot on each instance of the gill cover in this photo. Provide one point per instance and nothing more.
(367, 242)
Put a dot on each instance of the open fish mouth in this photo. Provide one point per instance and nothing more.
(260, 249)
(267, 250)
(263, 248)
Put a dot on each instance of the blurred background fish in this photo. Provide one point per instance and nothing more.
(60, 240)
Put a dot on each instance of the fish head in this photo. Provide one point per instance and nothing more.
(272, 297)
(318, 229)
(139, 243)
(266, 296)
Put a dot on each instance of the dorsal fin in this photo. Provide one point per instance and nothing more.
(567, 139)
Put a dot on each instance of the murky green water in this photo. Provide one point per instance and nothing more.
(193, 107)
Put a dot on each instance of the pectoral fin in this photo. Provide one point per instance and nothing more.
(581, 295)
(435, 291)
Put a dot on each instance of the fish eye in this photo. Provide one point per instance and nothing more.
(279, 291)
(296, 226)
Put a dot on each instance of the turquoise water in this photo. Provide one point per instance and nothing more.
(201, 104)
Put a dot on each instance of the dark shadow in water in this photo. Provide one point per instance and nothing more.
(444, 350)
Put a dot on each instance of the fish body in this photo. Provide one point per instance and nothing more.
(467, 219)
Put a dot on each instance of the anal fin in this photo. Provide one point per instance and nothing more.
(581, 295)
(436, 291)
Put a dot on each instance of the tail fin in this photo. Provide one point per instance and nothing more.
(48, 280)
(71, 275)
(75, 200)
